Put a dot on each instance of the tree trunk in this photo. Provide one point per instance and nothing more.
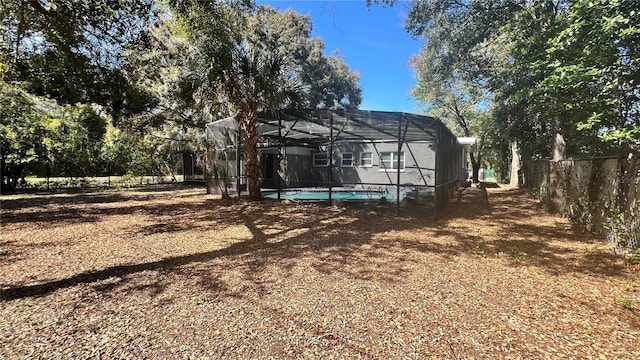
(250, 139)
(3, 174)
(558, 148)
(475, 166)
(48, 173)
(19, 32)
(505, 164)
(35, 4)
(208, 179)
(515, 164)
(627, 164)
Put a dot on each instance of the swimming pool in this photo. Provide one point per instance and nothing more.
(320, 194)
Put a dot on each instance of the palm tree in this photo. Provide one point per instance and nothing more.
(257, 82)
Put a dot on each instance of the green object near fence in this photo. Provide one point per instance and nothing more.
(489, 173)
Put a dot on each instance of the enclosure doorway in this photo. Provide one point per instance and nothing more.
(268, 167)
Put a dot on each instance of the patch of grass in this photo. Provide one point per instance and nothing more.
(522, 257)
(199, 300)
(595, 251)
(57, 183)
(624, 302)
(629, 286)
(634, 258)
(479, 249)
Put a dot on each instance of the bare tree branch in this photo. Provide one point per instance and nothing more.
(35, 4)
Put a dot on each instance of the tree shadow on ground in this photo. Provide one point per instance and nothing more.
(358, 244)
(471, 203)
(61, 209)
(529, 235)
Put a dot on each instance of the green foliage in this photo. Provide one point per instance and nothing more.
(384, 3)
(103, 87)
(36, 132)
(22, 132)
(114, 151)
(249, 60)
(72, 50)
(465, 108)
(573, 77)
(630, 286)
(595, 59)
(459, 70)
(75, 142)
(230, 45)
(624, 302)
(328, 81)
(159, 63)
(566, 67)
(198, 300)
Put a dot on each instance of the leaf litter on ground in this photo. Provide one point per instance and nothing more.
(176, 273)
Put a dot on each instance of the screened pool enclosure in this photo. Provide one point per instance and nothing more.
(401, 157)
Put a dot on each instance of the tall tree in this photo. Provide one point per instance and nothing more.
(37, 132)
(463, 64)
(258, 59)
(463, 107)
(595, 58)
(327, 80)
(74, 142)
(563, 72)
(72, 50)
(258, 83)
(22, 133)
(528, 34)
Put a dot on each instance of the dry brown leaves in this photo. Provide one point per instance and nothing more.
(174, 273)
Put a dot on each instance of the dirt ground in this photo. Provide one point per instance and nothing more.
(175, 273)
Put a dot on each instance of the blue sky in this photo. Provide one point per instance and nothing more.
(372, 42)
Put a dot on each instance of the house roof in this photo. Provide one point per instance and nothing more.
(469, 143)
(314, 127)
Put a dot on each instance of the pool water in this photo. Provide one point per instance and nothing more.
(323, 194)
